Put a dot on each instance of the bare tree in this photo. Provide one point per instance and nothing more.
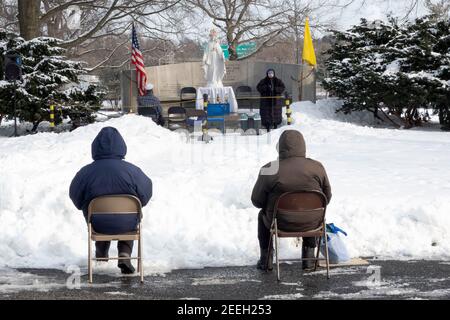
(265, 22)
(28, 18)
(439, 9)
(8, 15)
(283, 52)
(296, 12)
(83, 24)
(322, 16)
(49, 17)
(244, 21)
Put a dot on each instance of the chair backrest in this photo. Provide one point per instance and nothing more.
(147, 111)
(188, 90)
(115, 204)
(195, 113)
(194, 116)
(180, 111)
(243, 93)
(176, 114)
(243, 89)
(300, 211)
(189, 93)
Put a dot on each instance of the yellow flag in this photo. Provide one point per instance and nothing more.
(308, 47)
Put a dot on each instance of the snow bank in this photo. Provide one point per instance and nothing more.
(390, 191)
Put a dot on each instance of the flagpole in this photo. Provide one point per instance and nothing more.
(131, 75)
(300, 94)
(131, 87)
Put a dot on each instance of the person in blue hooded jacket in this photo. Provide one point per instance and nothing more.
(109, 174)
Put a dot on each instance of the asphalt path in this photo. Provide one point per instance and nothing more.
(380, 279)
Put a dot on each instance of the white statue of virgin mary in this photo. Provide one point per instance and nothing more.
(214, 62)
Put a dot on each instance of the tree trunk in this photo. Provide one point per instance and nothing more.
(1, 65)
(444, 117)
(29, 18)
(232, 51)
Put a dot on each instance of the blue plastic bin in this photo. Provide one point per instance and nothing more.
(218, 109)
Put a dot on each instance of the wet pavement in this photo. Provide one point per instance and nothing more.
(380, 279)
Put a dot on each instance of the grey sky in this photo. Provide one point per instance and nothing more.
(374, 9)
(350, 15)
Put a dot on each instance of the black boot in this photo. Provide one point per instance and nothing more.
(308, 252)
(263, 264)
(125, 264)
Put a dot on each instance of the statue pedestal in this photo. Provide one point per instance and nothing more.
(225, 94)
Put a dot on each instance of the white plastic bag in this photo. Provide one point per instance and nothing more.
(337, 252)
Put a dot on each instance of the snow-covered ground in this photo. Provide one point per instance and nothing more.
(390, 191)
(24, 128)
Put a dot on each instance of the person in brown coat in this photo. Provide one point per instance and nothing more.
(292, 172)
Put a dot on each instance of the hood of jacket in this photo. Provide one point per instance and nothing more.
(291, 144)
(274, 74)
(108, 144)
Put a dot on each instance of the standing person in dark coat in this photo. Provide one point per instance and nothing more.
(271, 109)
(109, 174)
(295, 172)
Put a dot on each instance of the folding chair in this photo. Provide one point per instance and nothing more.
(111, 205)
(148, 112)
(242, 89)
(300, 214)
(176, 117)
(188, 93)
(243, 95)
(193, 115)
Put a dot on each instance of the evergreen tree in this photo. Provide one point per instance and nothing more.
(423, 55)
(392, 67)
(48, 78)
(356, 65)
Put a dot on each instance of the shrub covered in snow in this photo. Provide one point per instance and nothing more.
(400, 68)
(48, 77)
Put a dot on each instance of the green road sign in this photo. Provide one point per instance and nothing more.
(242, 49)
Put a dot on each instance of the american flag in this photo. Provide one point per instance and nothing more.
(138, 60)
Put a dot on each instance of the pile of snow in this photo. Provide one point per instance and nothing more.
(24, 128)
(326, 110)
(390, 191)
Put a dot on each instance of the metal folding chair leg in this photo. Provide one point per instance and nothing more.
(139, 256)
(276, 251)
(89, 253)
(316, 264)
(141, 266)
(269, 250)
(326, 254)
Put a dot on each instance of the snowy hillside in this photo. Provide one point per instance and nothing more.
(390, 191)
